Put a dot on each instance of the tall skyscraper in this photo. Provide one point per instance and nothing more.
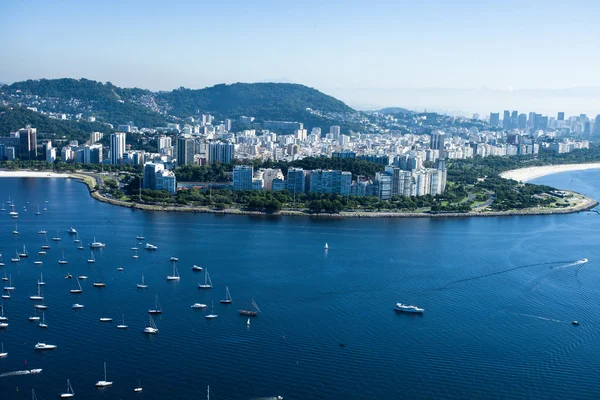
(117, 147)
(27, 143)
(506, 120)
(437, 142)
(242, 177)
(522, 121)
(495, 119)
(514, 119)
(561, 116)
(335, 131)
(220, 152)
(185, 150)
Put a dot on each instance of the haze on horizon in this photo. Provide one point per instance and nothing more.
(461, 56)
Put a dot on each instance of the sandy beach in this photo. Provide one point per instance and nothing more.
(527, 174)
(31, 174)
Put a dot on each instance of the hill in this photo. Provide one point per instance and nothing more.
(109, 103)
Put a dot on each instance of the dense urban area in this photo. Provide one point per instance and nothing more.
(265, 147)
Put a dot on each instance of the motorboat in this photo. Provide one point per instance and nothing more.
(97, 245)
(72, 231)
(77, 305)
(105, 319)
(150, 246)
(44, 346)
(199, 305)
(42, 232)
(399, 307)
(196, 268)
(174, 259)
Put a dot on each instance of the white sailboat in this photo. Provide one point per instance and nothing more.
(122, 324)
(2, 317)
(134, 247)
(151, 328)
(207, 282)
(39, 295)
(78, 290)
(2, 209)
(175, 276)
(196, 268)
(77, 240)
(10, 286)
(34, 317)
(248, 322)
(156, 309)
(57, 238)
(1, 262)
(141, 236)
(101, 283)
(16, 258)
(63, 260)
(42, 231)
(92, 258)
(135, 255)
(76, 306)
(6, 294)
(38, 261)
(212, 314)
(326, 246)
(43, 323)
(46, 244)
(3, 354)
(227, 299)
(16, 231)
(24, 253)
(142, 285)
(139, 388)
(38, 211)
(103, 383)
(41, 280)
(69, 392)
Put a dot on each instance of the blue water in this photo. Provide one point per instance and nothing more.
(327, 328)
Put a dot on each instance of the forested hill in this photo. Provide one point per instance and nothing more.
(109, 103)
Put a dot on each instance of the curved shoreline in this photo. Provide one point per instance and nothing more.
(584, 204)
(528, 173)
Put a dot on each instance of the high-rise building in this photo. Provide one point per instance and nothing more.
(330, 181)
(221, 152)
(561, 116)
(495, 119)
(117, 147)
(92, 154)
(437, 142)
(2, 151)
(514, 119)
(185, 150)
(522, 121)
(28, 143)
(335, 130)
(597, 125)
(66, 154)
(242, 177)
(96, 136)
(11, 153)
(295, 180)
(150, 170)
(506, 120)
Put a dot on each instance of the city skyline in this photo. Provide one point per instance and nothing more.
(369, 55)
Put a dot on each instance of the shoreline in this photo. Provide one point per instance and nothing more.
(528, 173)
(584, 204)
(31, 174)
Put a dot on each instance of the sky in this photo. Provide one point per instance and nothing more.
(348, 47)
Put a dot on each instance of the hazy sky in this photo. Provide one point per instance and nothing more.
(326, 44)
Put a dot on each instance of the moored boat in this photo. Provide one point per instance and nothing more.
(399, 307)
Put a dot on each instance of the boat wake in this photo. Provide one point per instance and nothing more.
(554, 265)
(543, 318)
(16, 373)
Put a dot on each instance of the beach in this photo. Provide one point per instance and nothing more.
(31, 174)
(529, 173)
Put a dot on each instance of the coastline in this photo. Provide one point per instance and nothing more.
(583, 204)
(31, 174)
(529, 173)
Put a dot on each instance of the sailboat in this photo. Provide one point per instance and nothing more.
(13, 213)
(6, 294)
(77, 291)
(92, 258)
(5, 278)
(212, 314)
(175, 276)
(151, 328)
(69, 392)
(141, 236)
(38, 211)
(248, 322)
(207, 282)
(1, 262)
(156, 309)
(104, 383)
(3, 354)
(135, 255)
(252, 312)
(196, 268)
(41, 306)
(63, 261)
(38, 261)
(43, 323)
(77, 240)
(57, 237)
(134, 247)
(2, 317)
(41, 280)
(16, 231)
(42, 231)
(24, 253)
(2, 209)
(46, 244)
(142, 285)
(122, 324)
(139, 388)
(326, 246)
(227, 299)
(16, 258)
(101, 283)
(10, 286)
(39, 295)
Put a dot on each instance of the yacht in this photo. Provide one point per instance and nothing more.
(2, 209)
(37, 296)
(68, 275)
(139, 388)
(77, 240)
(2, 353)
(35, 316)
(207, 282)
(38, 261)
(212, 314)
(96, 245)
(82, 277)
(399, 307)
(104, 383)
(140, 236)
(42, 232)
(16, 258)
(156, 309)
(63, 261)
(16, 231)
(149, 246)
(38, 212)
(175, 276)
(227, 299)
(24, 253)
(120, 269)
(1, 262)
(134, 247)
(41, 280)
(151, 328)
(41, 253)
(69, 392)
(174, 259)
(44, 346)
(122, 324)
(57, 238)
(46, 244)
(199, 305)
(251, 312)
(72, 231)
(77, 305)
(142, 285)
(78, 290)
(135, 255)
(41, 306)
(6, 295)
(196, 268)
(105, 319)
(10, 286)
(2, 317)
(43, 323)
(3, 325)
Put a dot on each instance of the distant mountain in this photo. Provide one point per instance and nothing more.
(395, 110)
(109, 103)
